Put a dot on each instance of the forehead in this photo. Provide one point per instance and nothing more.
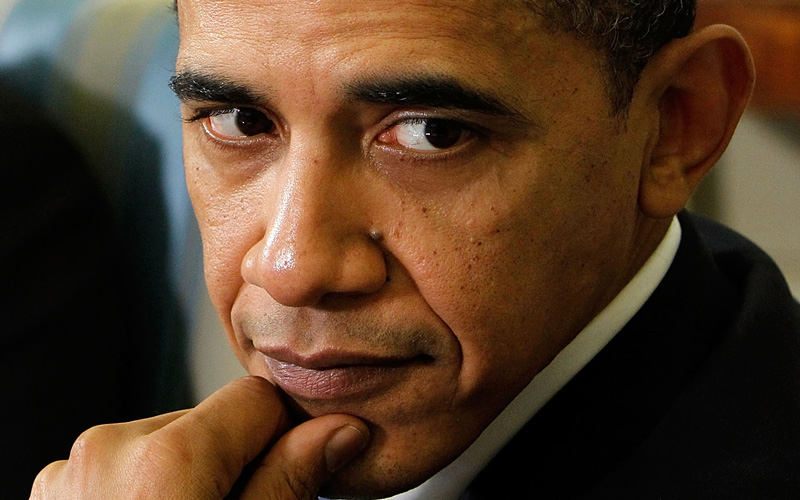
(328, 34)
(304, 53)
(319, 19)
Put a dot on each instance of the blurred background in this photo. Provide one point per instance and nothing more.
(87, 109)
(755, 189)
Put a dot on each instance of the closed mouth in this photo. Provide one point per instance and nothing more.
(330, 376)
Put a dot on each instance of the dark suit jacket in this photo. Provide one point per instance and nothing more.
(698, 397)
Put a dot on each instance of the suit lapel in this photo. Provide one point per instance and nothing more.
(589, 428)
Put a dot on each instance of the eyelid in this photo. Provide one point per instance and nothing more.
(469, 120)
(207, 112)
(204, 111)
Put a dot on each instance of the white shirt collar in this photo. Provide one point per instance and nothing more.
(452, 481)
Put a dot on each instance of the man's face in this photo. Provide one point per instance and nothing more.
(407, 208)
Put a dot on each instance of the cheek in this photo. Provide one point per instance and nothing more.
(222, 261)
(513, 268)
(229, 226)
(466, 269)
(478, 291)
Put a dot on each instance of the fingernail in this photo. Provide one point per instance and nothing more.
(344, 446)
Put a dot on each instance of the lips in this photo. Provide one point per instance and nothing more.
(328, 376)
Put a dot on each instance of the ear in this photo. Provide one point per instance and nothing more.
(697, 88)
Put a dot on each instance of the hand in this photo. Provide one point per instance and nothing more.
(239, 436)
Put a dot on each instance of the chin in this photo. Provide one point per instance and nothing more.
(405, 449)
(361, 480)
(381, 473)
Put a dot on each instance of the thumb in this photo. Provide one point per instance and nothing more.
(305, 457)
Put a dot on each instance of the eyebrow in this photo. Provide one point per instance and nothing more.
(430, 91)
(198, 86)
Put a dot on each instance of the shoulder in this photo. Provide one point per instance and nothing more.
(762, 291)
(731, 431)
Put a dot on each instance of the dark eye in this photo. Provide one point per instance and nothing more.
(426, 134)
(238, 124)
(443, 134)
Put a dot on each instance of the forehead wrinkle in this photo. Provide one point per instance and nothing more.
(325, 19)
(302, 37)
(330, 20)
(502, 22)
(453, 26)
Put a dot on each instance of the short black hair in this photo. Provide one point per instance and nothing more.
(626, 32)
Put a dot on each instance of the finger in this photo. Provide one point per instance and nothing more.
(152, 424)
(61, 476)
(195, 454)
(47, 480)
(301, 461)
(222, 434)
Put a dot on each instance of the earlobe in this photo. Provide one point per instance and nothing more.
(699, 87)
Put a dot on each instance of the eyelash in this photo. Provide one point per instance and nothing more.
(202, 114)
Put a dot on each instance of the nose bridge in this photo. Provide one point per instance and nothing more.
(300, 216)
(317, 241)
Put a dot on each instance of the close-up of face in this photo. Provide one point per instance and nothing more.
(407, 208)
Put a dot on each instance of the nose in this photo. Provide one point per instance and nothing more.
(318, 240)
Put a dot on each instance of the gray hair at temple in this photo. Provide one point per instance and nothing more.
(626, 32)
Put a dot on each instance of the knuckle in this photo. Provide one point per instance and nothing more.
(43, 482)
(162, 450)
(91, 443)
(171, 461)
(91, 455)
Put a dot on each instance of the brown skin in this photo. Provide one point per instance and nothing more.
(469, 267)
(560, 183)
